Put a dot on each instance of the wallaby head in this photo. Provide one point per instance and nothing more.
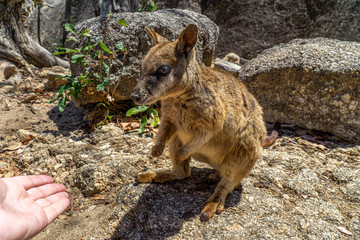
(162, 69)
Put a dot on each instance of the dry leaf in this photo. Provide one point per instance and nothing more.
(98, 197)
(28, 99)
(312, 145)
(62, 217)
(127, 126)
(28, 139)
(81, 237)
(344, 230)
(13, 147)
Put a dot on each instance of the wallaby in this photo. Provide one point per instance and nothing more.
(207, 114)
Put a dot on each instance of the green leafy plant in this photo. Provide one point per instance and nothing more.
(147, 6)
(151, 116)
(107, 118)
(98, 58)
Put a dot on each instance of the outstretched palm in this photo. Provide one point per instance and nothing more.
(28, 204)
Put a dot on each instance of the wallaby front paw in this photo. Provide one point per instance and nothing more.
(157, 150)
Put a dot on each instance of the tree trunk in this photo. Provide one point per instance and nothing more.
(67, 18)
(15, 43)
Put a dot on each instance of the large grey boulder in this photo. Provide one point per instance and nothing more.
(52, 16)
(248, 27)
(168, 23)
(313, 83)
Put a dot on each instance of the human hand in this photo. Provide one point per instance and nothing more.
(28, 204)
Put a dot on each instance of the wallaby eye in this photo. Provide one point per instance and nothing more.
(163, 70)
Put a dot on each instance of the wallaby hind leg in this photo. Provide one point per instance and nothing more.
(231, 176)
(180, 170)
(217, 199)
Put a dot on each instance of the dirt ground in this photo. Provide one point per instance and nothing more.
(307, 186)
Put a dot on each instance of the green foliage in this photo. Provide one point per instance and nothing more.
(108, 116)
(97, 58)
(72, 87)
(147, 6)
(151, 115)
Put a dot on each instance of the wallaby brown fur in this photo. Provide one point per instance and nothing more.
(207, 115)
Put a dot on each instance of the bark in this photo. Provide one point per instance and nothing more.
(67, 17)
(15, 43)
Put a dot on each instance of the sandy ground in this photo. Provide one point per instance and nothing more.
(307, 186)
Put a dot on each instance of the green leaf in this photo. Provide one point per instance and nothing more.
(153, 112)
(122, 22)
(143, 123)
(154, 121)
(100, 124)
(56, 98)
(77, 88)
(136, 110)
(120, 46)
(77, 58)
(69, 50)
(100, 87)
(71, 38)
(62, 104)
(106, 68)
(105, 48)
(154, 117)
(85, 33)
(97, 75)
(58, 53)
(102, 104)
(70, 28)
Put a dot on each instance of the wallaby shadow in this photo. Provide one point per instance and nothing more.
(158, 211)
(71, 119)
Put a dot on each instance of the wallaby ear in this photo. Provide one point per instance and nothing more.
(155, 37)
(187, 39)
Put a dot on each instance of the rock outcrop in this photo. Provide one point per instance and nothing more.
(168, 23)
(313, 83)
(248, 27)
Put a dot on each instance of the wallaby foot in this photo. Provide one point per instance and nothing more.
(181, 170)
(210, 209)
(157, 150)
(160, 176)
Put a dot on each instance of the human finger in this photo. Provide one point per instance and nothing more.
(45, 190)
(45, 202)
(56, 209)
(31, 181)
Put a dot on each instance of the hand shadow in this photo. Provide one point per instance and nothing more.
(158, 211)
